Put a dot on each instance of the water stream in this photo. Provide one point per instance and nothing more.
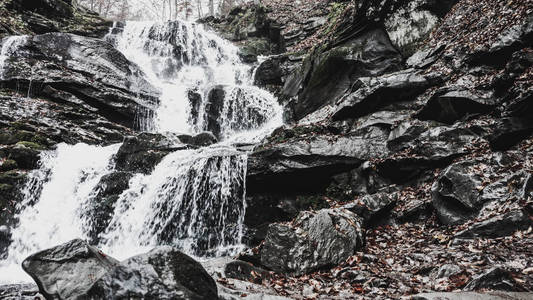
(194, 199)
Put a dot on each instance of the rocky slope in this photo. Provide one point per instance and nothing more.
(405, 166)
(431, 150)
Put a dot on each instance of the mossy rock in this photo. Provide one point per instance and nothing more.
(5, 188)
(31, 145)
(8, 165)
(12, 177)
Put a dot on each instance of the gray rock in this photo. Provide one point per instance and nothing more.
(312, 241)
(455, 194)
(473, 296)
(83, 72)
(69, 270)
(498, 226)
(163, 273)
(369, 206)
(447, 270)
(299, 161)
(371, 93)
(326, 76)
(494, 279)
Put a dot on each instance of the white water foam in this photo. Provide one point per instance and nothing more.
(9, 46)
(54, 196)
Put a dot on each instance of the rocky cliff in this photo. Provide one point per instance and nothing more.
(405, 165)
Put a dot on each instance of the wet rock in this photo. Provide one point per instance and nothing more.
(163, 273)
(498, 226)
(200, 140)
(41, 121)
(299, 161)
(425, 57)
(372, 93)
(20, 292)
(455, 194)
(448, 106)
(23, 154)
(494, 279)
(82, 72)
(102, 206)
(326, 76)
(228, 107)
(67, 271)
(141, 153)
(269, 72)
(43, 16)
(312, 241)
(473, 296)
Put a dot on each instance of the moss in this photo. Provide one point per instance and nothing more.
(11, 177)
(8, 165)
(31, 145)
(5, 188)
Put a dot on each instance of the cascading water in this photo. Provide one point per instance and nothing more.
(53, 200)
(9, 46)
(194, 199)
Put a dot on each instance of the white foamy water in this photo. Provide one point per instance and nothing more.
(194, 199)
(53, 200)
(9, 47)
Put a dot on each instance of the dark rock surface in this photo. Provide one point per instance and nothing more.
(163, 273)
(67, 271)
(473, 296)
(44, 16)
(325, 77)
(494, 279)
(314, 240)
(85, 72)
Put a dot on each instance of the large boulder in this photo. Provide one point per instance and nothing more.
(69, 270)
(83, 72)
(163, 273)
(498, 226)
(473, 296)
(326, 76)
(456, 193)
(298, 161)
(372, 93)
(314, 240)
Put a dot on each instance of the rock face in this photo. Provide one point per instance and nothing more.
(314, 240)
(163, 273)
(69, 270)
(44, 16)
(325, 77)
(81, 71)
(370, 94)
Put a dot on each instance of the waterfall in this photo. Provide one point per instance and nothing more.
(193, 199)
(9, 47)
(54, 197)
